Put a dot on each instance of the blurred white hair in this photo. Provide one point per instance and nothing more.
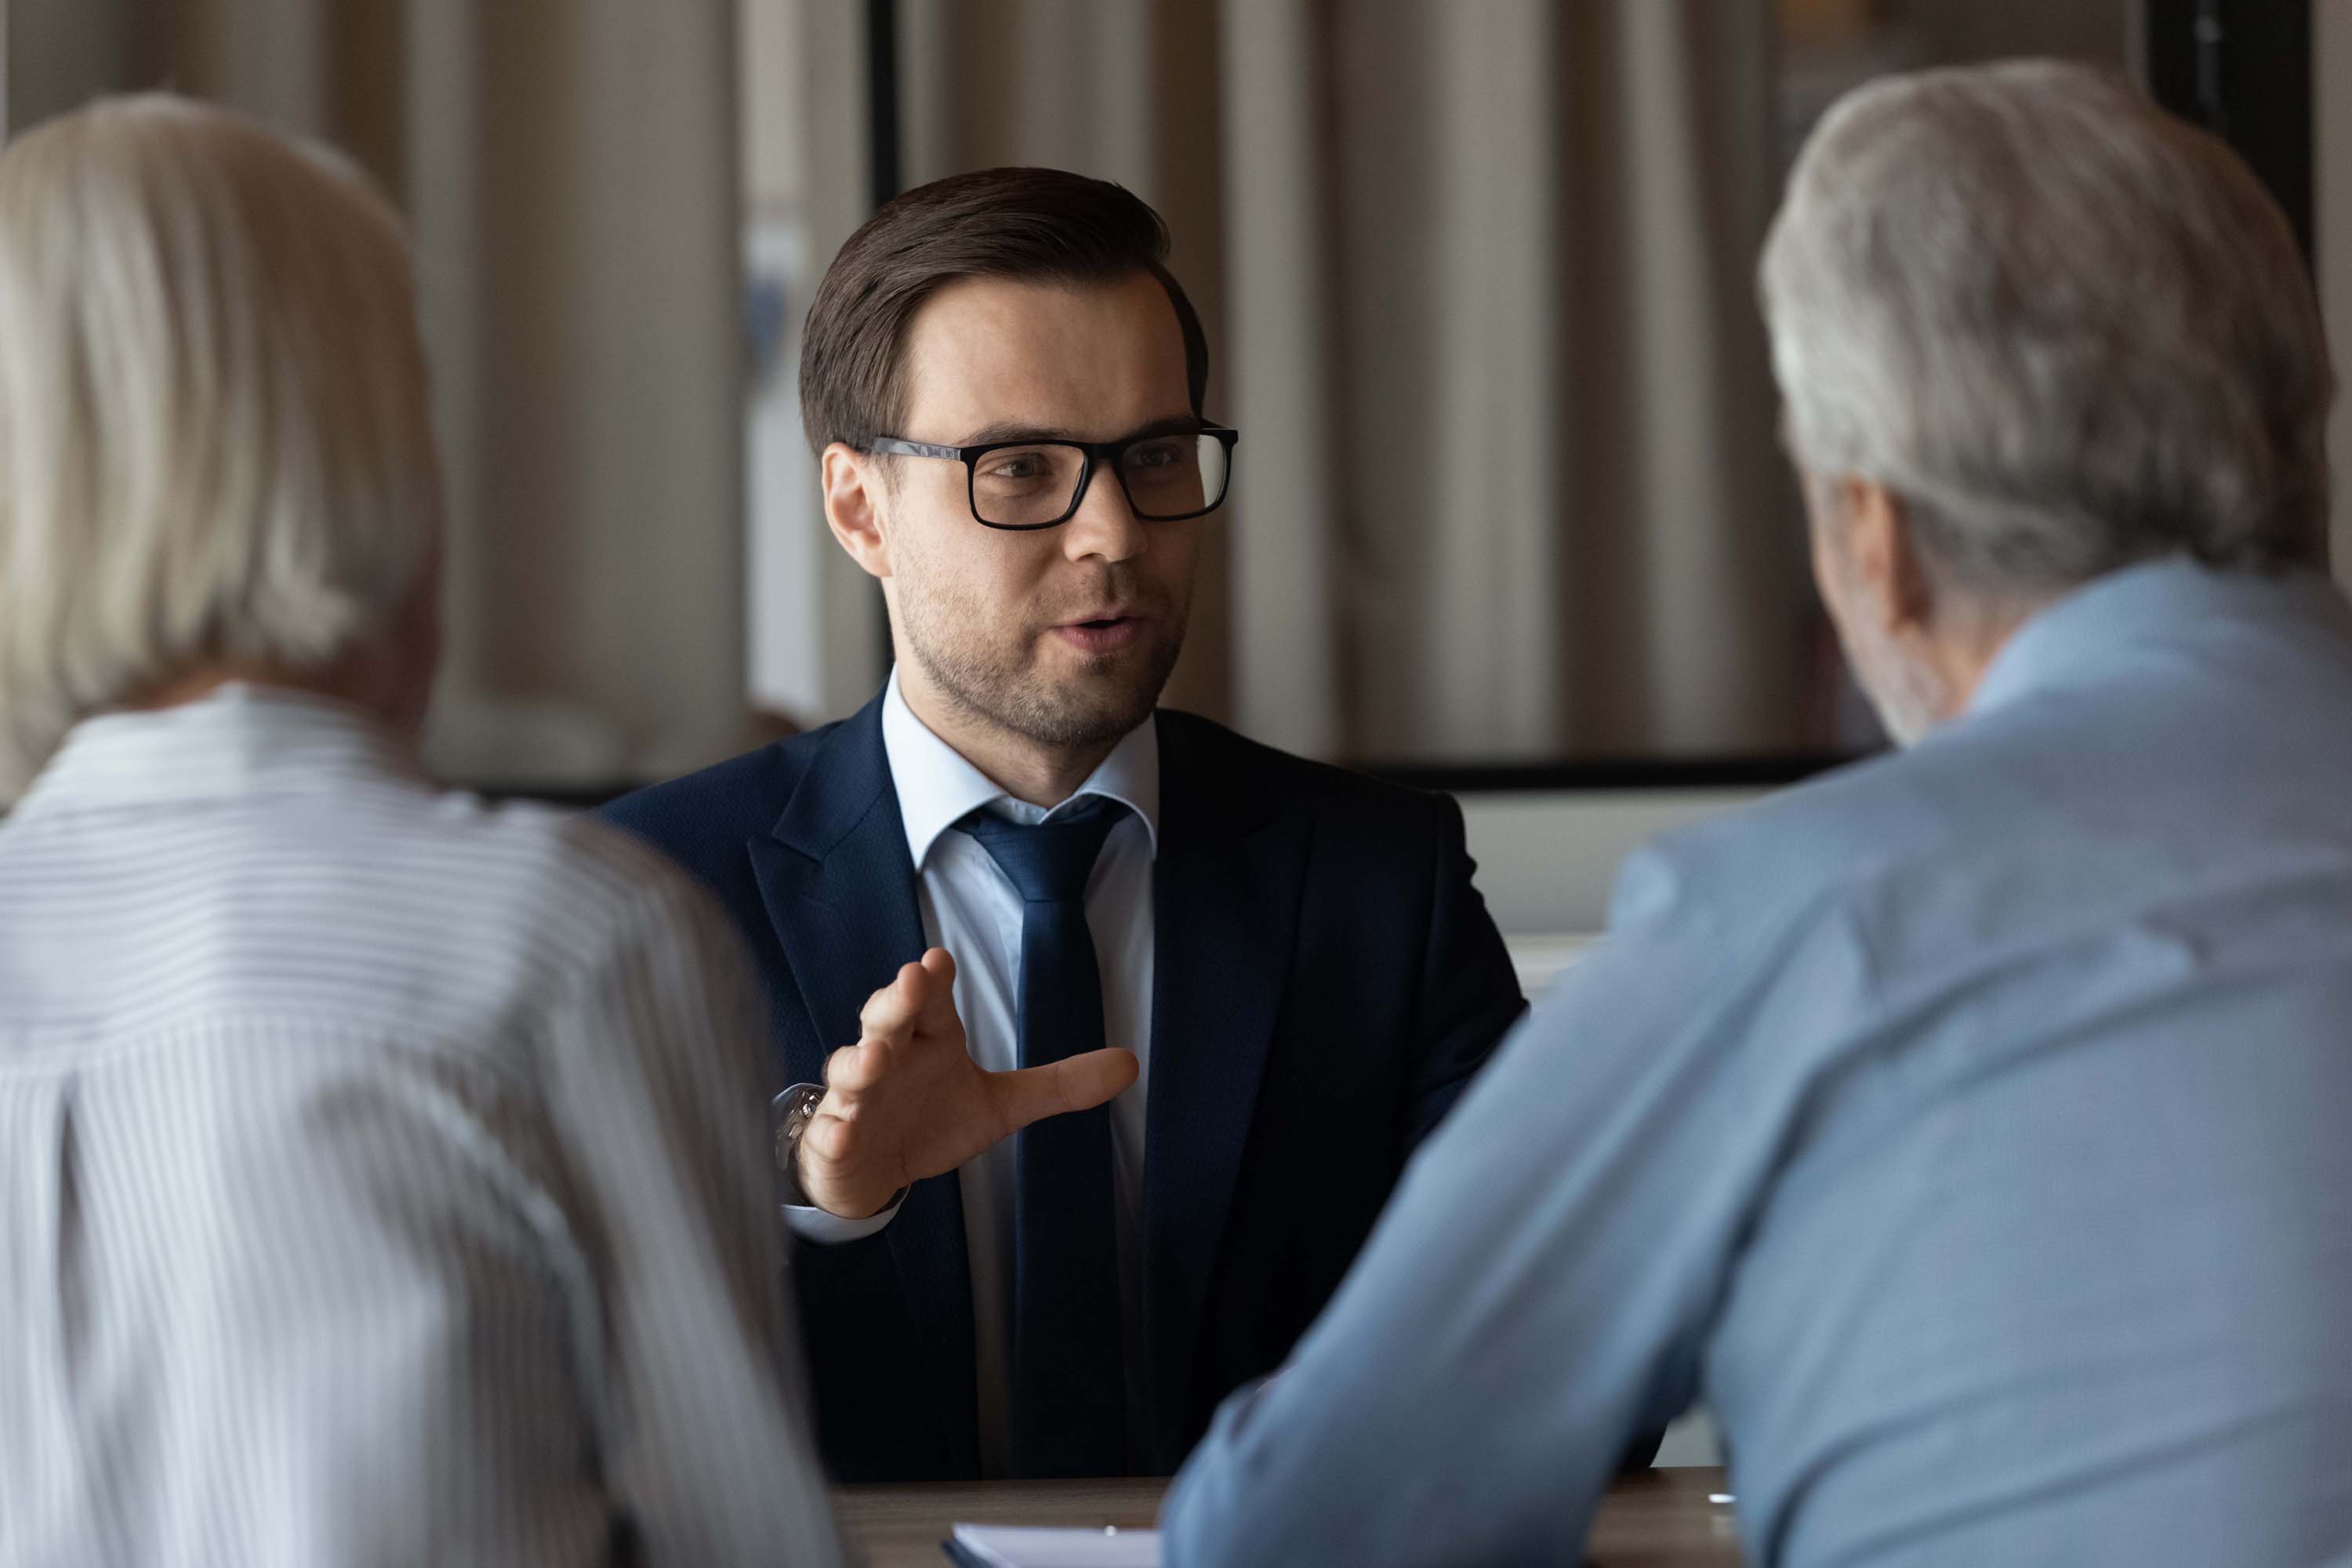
(214, 439)
(2070, 330)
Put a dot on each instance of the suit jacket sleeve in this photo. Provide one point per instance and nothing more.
(1469, 992)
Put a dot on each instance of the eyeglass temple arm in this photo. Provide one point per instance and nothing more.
(894, 447)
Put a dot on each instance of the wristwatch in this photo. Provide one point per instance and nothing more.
(793, 1111)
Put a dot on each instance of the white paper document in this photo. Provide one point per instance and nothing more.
(1001, 1546)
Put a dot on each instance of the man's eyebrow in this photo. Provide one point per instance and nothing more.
(1005, 430)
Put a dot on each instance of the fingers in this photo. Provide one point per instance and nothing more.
(937, 1015)
(1074, 1083)
(827, 1137)
(851, 1070)
(892, 1012)
(921, 998)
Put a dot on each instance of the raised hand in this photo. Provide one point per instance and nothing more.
(908, 1102)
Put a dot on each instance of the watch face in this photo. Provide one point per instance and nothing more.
(794, 1110)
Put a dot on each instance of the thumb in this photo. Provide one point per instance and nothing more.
(1074, 1083)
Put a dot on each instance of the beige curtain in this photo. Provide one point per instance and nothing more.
(1477, 273)
(1478, 276)
(568, 166)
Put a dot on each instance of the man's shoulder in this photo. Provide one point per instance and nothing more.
(1200, 753)
(436, 914)
(704, 816)
(1836, 826)
(532, 876)
(1961, 811)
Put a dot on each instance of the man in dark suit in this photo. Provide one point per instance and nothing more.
(1064, 1190)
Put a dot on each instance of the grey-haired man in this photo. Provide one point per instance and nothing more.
(1967, 1128)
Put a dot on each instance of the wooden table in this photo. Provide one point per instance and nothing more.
(1661, 1519)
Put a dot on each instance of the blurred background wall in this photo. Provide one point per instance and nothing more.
(1478, 276)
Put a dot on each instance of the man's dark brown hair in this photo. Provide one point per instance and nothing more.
(1030, 226)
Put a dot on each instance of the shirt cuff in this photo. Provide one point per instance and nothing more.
(823, 1228)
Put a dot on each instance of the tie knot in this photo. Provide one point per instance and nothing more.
(1050, 861)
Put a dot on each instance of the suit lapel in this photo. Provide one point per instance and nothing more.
(839, 887)
(1226, 892)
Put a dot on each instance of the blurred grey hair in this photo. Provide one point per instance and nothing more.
(214, 441)
(2070, 330)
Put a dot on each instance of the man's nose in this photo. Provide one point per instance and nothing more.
(1105, 526)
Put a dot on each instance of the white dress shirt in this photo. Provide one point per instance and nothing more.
(971, 909)
(383, 1175)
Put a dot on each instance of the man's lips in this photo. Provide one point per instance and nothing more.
(1101, 634)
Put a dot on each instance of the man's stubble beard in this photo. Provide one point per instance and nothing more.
(946, 635)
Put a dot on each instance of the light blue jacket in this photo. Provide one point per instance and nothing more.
(1971, 1129)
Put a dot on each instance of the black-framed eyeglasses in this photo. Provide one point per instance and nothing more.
(1022, 485)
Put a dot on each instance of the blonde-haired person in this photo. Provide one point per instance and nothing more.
(381, 1176)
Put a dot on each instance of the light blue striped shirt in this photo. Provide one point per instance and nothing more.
(1971, 1129)
(383, 1177)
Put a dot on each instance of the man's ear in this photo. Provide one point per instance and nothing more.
(1885, 552)
(853, 506)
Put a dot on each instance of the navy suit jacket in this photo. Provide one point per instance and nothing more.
(1325, 981)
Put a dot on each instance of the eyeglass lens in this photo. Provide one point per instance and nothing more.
(1166, 477)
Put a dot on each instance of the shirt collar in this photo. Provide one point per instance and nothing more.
(938, 788)
(2116, 616)
(239, 740)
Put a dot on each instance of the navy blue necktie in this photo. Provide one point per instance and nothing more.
(1069, 1375)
